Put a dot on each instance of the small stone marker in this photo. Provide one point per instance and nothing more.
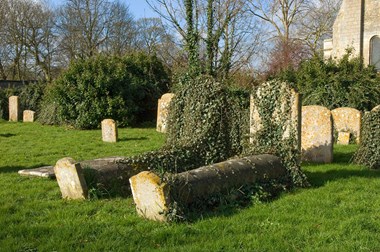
(70, 179)
(163, 112)
(347, 120)
(344, 138)
(109, 131)
(13, 108)
(317, 134)
(44, 172)
(28, 116)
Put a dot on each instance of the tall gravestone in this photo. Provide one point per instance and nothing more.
(13, 108)
(347, 120)
(28, 116)
(291, 123)
(317, 134)
(109, 131)
(163, 112)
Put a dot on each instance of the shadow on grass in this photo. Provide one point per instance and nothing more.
(126, 139)
(7, 135)
(318, 179)
(15, 169)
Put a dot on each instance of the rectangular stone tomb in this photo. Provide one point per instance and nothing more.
(153, 197)
(44, 172)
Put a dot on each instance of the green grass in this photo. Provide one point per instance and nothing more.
(340, 212)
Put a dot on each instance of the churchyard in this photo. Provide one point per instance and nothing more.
(338, 212)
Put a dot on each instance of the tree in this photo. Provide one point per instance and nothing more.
(88, 27)
(211, 31)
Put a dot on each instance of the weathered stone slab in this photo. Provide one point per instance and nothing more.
(153, 197)
(292, 123)
(13, 108)
(163, 112)
(70, 179)
(347, 120)
(109, 131)
(44, 172)
(343, 138)
(28, 116)
(317, 134)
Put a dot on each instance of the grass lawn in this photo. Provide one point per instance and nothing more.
(340, 212)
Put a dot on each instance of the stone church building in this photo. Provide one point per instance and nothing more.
(357, 26)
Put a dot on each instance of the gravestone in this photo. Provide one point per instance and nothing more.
(70, 179)
(343, 138)
(28, 116)
(317, 134)
(347, 120)
(163, 112)
(109, 131)
(376, 108)
(44, 172)
(13, 108)
(292, 123)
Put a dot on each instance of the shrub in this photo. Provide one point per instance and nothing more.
(125, 89)
(368, 153)
(333, 84)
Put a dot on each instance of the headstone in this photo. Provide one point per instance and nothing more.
(109, 131)
(317, 134)
(163, 112)
(376, 108)
(44, 172)
(70, 179)
(28, 116)
(343, 138)
(347, 120)
(291, 123)
(13, 108)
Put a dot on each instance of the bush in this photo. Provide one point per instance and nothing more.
(334, 84)
(125, 89)
(368, 153)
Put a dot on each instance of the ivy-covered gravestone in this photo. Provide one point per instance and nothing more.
(368, 153)
(275, 125)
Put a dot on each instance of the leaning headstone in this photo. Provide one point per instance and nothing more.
(28, 116)
(317, 134)
(13, 108)
(347, 120)
(70, 179)
(343, 138)
(163, 112)
(109, 131)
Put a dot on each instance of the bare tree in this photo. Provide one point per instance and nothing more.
(88, 27)
(212, 32)
(317, 23)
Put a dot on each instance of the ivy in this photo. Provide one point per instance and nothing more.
(368, 153)
(277, 136)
